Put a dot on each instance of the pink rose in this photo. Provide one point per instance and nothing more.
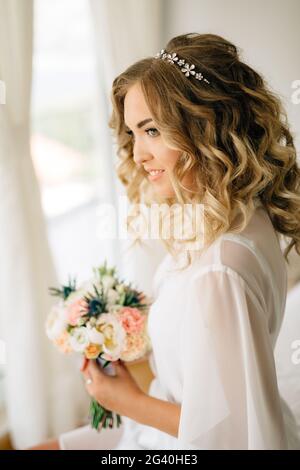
(131, 319)
(63, 344)
(75, 310)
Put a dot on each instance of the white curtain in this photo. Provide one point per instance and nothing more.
(44, 394)
(125, 31)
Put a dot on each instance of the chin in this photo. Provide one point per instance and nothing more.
(164, 193)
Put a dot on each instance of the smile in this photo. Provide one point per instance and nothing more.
(155, 174)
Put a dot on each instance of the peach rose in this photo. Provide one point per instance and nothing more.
(131, 319)
(92, 351)
(63, 344)
(136, 347)
(75, 310)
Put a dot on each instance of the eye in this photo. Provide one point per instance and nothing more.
(151, 129)
(146, 130)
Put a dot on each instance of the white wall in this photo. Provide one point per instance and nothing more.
(268, 32)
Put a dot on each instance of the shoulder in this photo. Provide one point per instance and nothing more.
(233, 263)
(233, 254)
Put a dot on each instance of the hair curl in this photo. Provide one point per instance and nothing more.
(234, 136)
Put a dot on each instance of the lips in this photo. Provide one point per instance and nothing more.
(155, 172)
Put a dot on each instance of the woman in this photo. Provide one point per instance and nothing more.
(196, 125)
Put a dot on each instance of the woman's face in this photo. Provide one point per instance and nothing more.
(149, 148)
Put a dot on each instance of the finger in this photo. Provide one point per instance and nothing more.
(94, 368)
(86, 370)
(86, 374)
(84, 363)
(120, 367)
(89, 387)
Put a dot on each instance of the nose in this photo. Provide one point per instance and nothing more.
(140, 155)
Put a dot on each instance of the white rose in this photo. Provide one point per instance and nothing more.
(108, 282)
(79, 339)
(56, 322)
(114, 335)
(112, 297)
(95, 336)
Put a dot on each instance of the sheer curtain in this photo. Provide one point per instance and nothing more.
(125, 32)
(43, 395)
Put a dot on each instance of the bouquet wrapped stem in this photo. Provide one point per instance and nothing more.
(100, 416)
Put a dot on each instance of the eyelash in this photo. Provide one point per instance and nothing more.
(146, 130)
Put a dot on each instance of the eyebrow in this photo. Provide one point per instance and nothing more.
(142, 123)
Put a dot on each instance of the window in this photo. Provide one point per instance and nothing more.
(65, 138)
(65, 114)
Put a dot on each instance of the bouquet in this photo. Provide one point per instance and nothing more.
(104, 319)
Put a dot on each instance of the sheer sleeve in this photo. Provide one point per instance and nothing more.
(230, 396)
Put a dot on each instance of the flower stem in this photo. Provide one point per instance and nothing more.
(101, 417)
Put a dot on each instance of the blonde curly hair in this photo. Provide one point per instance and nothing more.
(234, 136)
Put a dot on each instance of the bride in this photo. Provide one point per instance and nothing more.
(196, 125)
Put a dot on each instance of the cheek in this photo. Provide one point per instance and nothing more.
(168, 159)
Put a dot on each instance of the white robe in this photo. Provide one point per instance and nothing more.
(213, 328)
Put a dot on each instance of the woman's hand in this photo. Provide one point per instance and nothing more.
(116, 393)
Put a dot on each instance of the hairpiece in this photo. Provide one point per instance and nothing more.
(187, 69)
